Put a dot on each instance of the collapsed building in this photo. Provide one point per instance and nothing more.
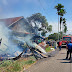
(21, 30)
(18, 24)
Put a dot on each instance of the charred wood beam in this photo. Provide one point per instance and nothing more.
(18, 56)
(32, 50)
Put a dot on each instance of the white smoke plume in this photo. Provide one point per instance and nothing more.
(26, 39)
(7, 47)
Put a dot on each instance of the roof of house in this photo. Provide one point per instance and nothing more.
(9, 21)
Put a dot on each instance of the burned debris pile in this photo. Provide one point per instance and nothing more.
(19, 40)
(31, 49)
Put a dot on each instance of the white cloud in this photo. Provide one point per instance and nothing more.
(69, 27)
(55, 27)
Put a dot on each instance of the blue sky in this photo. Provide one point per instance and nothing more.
(15, 8)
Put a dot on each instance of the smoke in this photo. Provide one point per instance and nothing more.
(26, 39)
(24, 28)
(7, 46)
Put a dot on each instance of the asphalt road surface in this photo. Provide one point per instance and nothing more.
(57, 63)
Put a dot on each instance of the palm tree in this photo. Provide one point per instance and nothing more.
(64, 21)
(61, 13)
(65, 29)
(60, 23)
(58, 7)
(64, 24)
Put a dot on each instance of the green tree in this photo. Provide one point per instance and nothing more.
(58, 7)
(40, 22)
(64, 25)
(59, 10)
(43, 33)
(55, 35)
(49, 28)
(38, 18)
(64, 21)
(65, 29)
(61, 13)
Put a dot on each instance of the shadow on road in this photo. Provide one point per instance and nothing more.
(62, 59)
(62, 53)
(70, 61)
(66, 62)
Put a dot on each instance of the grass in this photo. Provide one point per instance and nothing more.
(48, 49)
(5, 63)
(16, 66)
(29, 62)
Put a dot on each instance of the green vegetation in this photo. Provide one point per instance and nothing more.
(61, 11)
(64, 24)
(48, 49)
(54, 36)
(29, 62)
(38, 19)
(16, 66)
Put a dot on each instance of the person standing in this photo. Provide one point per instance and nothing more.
(60, 43)
(69, 47)
(55, 44)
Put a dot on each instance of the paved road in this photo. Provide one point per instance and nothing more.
(53, 64)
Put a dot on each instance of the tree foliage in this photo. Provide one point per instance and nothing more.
(64, 21)
(65, 29)
(38, 19)
(55, 35)
(43, 33)
(60, 11)
(59, 7)
(64, 24)
(50, 28)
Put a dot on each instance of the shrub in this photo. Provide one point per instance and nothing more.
(48, 49)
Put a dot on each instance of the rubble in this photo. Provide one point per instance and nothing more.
(17, 37)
